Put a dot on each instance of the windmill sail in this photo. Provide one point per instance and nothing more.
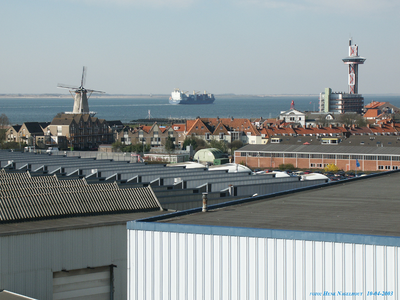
(81, 104)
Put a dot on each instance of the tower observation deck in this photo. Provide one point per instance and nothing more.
(353, 60)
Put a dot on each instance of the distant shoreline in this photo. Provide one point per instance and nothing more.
(166, 96)
(62, 96)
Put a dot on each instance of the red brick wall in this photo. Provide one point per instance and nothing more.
(305, 163)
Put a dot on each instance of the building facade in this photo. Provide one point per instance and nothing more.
(317, 157)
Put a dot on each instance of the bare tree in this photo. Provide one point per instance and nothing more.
(4, 122)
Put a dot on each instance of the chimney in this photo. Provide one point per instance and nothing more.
(367, 125)
(205, 199)
(330, 126)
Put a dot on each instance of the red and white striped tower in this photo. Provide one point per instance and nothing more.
(353, 60)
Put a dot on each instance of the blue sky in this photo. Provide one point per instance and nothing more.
(236, 46)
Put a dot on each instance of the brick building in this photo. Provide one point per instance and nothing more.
(306, 156)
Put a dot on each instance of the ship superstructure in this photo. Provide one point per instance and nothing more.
(182, 97)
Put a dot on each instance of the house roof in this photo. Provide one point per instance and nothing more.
(199, 128)
(62, 121)
(16, 127)
(34, 128)
(374, 104)
(178, 127)
(372, 113)
(115, 123)
(146, 128)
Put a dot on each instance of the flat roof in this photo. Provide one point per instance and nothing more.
(369, 206)
(37, 226)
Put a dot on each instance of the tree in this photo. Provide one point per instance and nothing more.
(235, 145)
(169, 145)
(322, 121)
(196, 143)
(117, 146)
(4, 122)
(190, 141)
(331, 168)
(221, 145)
(284, 167)
(350, 119)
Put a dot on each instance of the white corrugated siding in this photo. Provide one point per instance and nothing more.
(168, 265)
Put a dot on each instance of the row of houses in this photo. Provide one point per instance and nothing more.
(219, 129)
(77, 131)
(82, 131)
(251, 132)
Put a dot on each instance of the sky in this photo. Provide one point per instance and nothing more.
(222, 46)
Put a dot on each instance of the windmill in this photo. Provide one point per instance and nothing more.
(81, 105)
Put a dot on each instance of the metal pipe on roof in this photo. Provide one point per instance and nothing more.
(205, 199)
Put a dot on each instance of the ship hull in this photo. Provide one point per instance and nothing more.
(192, 99)
(186, 101)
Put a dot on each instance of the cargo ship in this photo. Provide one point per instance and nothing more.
(181, 97)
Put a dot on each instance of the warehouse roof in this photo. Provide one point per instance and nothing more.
(23, 197)
(368, 206)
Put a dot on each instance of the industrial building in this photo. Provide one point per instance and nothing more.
(305, 156)
(345, 102)
(336, 241)
(63, 218)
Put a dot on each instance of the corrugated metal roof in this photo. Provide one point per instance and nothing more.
(23, 197)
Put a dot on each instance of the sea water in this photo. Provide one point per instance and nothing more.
(20, 110)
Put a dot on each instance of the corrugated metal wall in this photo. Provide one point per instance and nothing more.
(27, 261)
(169, 265)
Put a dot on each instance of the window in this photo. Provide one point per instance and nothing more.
(276, 140)
(312, 165)
(380, 167)
(221, 136)
(384, 157)
(207, 136)
(395, 167)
